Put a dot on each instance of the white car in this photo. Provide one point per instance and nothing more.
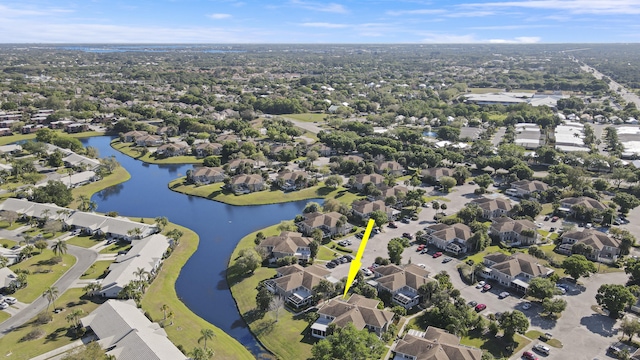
(422, 266)
(3, 305)
(542, 349)
(367, 272)
(480, 285)
(10, 300)
(526, 306)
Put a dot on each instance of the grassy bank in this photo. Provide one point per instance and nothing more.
(307, 117)
(43, 274)
(134, 152)
(217, 193)
(186, 327)
(119, 175)
(285, 337)
(4, 140)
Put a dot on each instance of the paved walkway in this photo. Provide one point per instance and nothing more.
(60, 352)
(400, 331)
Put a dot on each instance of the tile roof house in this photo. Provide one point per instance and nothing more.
(364, 179)
(124, 331)
(206, 175)
(146, 253)
(149, 140)
(6, 277)
(514, 270)
(514, 232)
(132, 135)
(118, 227)
(606, 248)
(493, 208)
(387, 191)
(331, 223)
(391, 167)
(168, 150)
(526, 187)
(235, 163)
(292, 180)
(433, 175)
(355, 158)
(296, 283)
(247, 183)
(78, 161)
(452, 238)
(567, 204)
(434, 344)
(207, 149)
(358, 310)
(324, 150)
(364, 208)
(287, 244)
(402, 282)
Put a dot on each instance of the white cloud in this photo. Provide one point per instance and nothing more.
(322, 7)
(6, 11)
(508, 27)
(416, 12)
(471, 14)
(440, 38)
(517, 40)
(325, 25)
(219, 16)
(573, 6)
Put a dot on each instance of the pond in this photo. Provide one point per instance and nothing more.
(202, 284)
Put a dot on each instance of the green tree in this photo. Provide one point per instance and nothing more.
(380, 217)
(263, 299)
(630, 327)
(614, 298)
(201, 354)
(51, 294)
(447, 183)
(91, 350)
(626, 201)
(483, 180)
(162, 222)
(578, 266)
(54, 192)
(395, 249)
(512, 322)
(461, 174)
(40, 245)
(333, 181)
(59, 247)
(541, 288)
(206, 334)
(349, 343)
(248, 262)
(554, 306)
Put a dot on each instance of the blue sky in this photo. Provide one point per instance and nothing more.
(310, 21)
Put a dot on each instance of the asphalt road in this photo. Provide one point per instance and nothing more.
(85, 258)
(614, 86)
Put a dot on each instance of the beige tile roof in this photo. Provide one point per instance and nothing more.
(237, 162)
(412, 276)
(505, 224)
(292, 175)
(530, 185)
(376, 179)
(438, 172)
(455, 231)
(594, 238)
(588, 202)
(366, 206)
(427, 349)
(247, 179)
(207, 171)
(316, 219)
(360, 312)
(493, 204)
(521, 263)
(389, 165)
(288, 242)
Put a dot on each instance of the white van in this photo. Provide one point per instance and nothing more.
(511, 192)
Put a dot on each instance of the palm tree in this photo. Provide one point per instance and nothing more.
(26, 252)
(162, 221)
(207, 334)
(135, 232)
(92, 288)
(51, 294)
(201, 354)
(45, 214)
(74, 317)
(59, 248)
(141, 273)
(164, 309)
(3, 261)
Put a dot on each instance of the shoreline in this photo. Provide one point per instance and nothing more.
(118, 176)
(125, 149)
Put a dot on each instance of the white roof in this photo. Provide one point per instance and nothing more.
(32, 209)
(6, 277)
(74, 179)
(10, 148)
(121, 324)
(75, 160)
(117, 226)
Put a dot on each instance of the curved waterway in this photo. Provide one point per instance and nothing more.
(202, 284)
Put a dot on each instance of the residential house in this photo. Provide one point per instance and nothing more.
(386, 192)
(514, 232)
(434, 344)
(360, 311)
(402, 283)
(433, 175)
(74, 160)
(390, 167)
(493, 208)
(76, 128)
(606, 249)
(112, 227)
(451, 238)
(287, 244)
(332, 223)
(247, 183)
(29, 209)
(363, 209)
(324, 150)
(236, 163)
(295, 283)
(131, 136)
(206, 175)
(61, 124)
(514, 270)
(6, 277)
(5, 132)
(292, 180)
(276, 149)
(168, 150)
(227, 137)
(126, 333)
(527, 187)
(31, 128)
(364, 179)
(355, 158)
(207, 149)
(149, 140)
(590, 204)
(145, 254)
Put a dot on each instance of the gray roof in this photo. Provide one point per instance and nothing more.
(6, 277)
(117, 226)
(121, 324)
(77, 160)
(33, 209)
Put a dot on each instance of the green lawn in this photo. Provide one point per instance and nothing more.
(118, 176)
(8, 243)
(535, 335)
(115, 247)
(325, 253)
(186, 327)
(84, 241)
(96, 270)
(133, 151)
(493, 345)
(217, 193)
(4, 140)
(4, 316)
(285, 338)
(5, 225)
(478, 258)
(56, 332)
(39, 279)
(308, 117)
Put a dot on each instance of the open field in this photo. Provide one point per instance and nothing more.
(97, 269)
(307, 117)
(4, 140)
(43, 274)
(132, 151)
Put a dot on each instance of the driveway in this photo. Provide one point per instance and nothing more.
(85, 258)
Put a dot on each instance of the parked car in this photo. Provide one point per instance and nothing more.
(438, 254)
(406, 220)
(552, 229)
(546, 218)
(424, 251)
(554, 219)
(472, 182)
(526, 306)
(486, 287)
(392, 225)
(480, 307)
(426, 205)
(420, 247)
(407, 235)
(480, 285)
(446, 260)
(422, 266)
(529, 356)
(589, 225)
(349, 257)
(561, 290)
(3, 305)
(473, 303)
(344, 243)
(10, 300)
(330, 265)
(542, 349)
(503, 295)
(414, 217)
(367, 272)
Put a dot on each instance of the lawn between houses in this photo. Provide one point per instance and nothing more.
(288, 338)
(119, 175)
(186, 327)
(217, 193)
(42, 274)
(134, 152)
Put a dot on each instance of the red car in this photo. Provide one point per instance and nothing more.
(480, 307)
(438, 254)
(529, 356)
(554, 219)
(487, 287)
(420, 247)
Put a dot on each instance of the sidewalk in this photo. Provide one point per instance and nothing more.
(59, 352)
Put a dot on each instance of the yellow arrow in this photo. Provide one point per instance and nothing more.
(356, 263)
